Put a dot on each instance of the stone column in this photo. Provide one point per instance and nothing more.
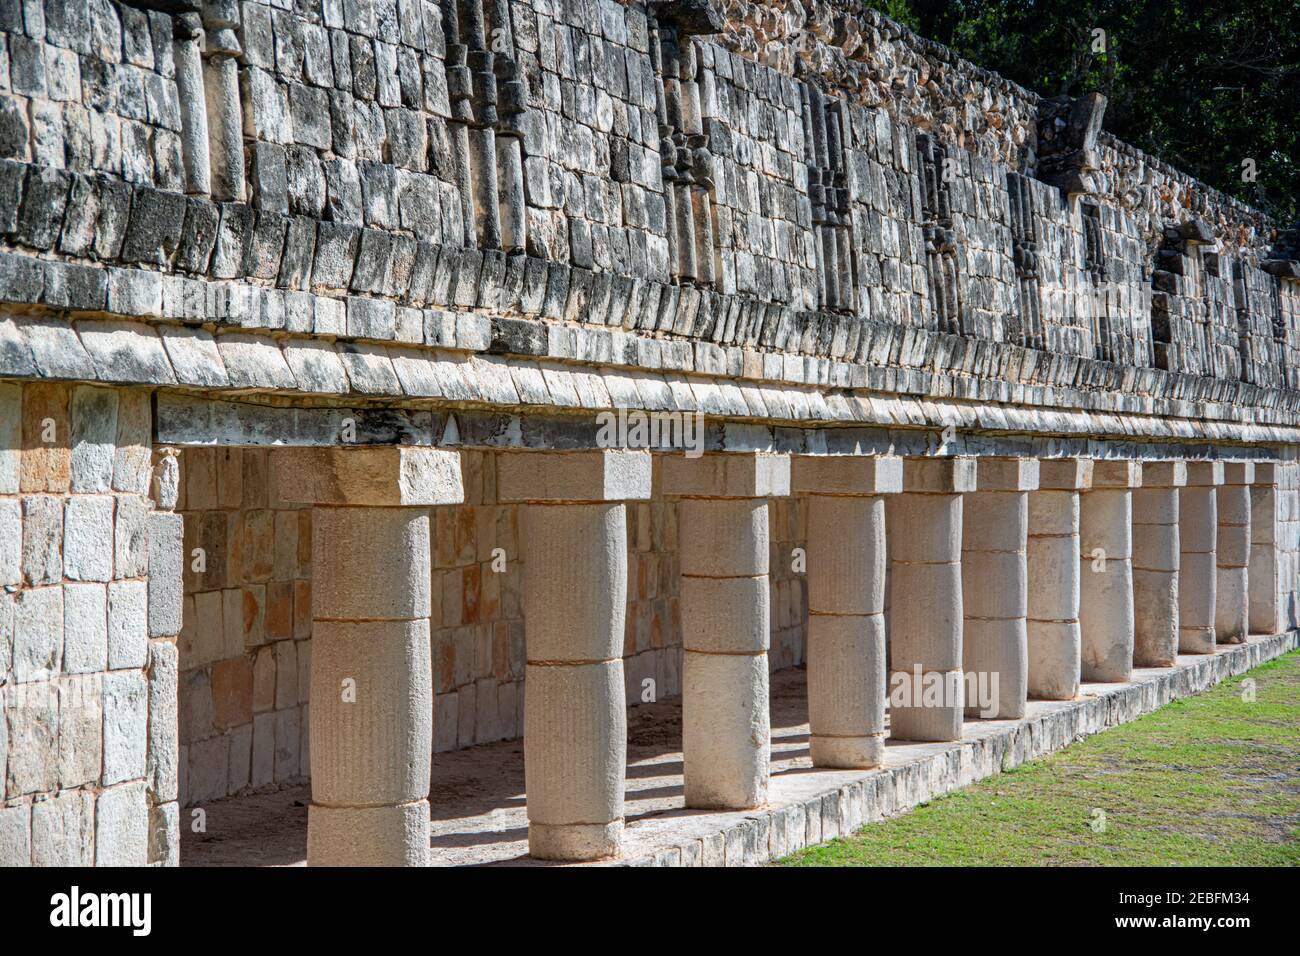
(995, 584)
(1232, 551)
(723, 540)
(1155, 563)
(187, 55)
(574, 549)
(1052, 559)
(371, 679)
(846, 597)
(1106, 572)
(1264, 617)
(925, 600)
(1198, 575)
(225, 109)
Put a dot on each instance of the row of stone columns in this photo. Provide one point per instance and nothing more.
(1009, 579)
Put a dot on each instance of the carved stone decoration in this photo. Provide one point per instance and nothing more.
(825, 138)
(685, 160)
(225, 110)
(1067, 142)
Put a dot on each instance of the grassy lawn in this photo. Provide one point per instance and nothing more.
(1211, 780)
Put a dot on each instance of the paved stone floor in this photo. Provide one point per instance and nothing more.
(477, 795)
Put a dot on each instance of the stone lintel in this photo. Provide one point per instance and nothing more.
(1238, 472)
(1114, 473)
(1164, 474)
(374, 476)
(1202, 473)
(939, 476)
(1064, 474)
(604, 475)
(846, 474)
(1007, 474)
(726, 475)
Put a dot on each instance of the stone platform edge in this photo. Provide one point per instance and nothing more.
(759, 836)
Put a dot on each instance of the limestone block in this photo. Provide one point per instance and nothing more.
(94, 434)
(88, 538)
(1007, 474)
(165, 834)
(1231, 605)
(1204, 473)
(15, 836)
(726, 475)
(725, 615)
(1052, 592)
(939, 475)
(166, 566)
(1054, 655)
(42, 541)
(1155, 618)
(63, 830)
(994, 585)
(1110, 473)
(924, 528)
(11, 542)
(128, 624)
(37, 633)
(162, 759)
(126, 703)
(846, 689)
(575, 581)
(723, 537)
(605, 475)
(368, 836)
(122, 826)
(925, 616)
(1065, 474)
(1105, 523)
(995, 659)
(575, 726)
(372, 475)
(85, 628)
(371, 712)
(1106, 577)
(846, 475)
(846, 554)
(725, 730)
(370, 563)
(1163, 474)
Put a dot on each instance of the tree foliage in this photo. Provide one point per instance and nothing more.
(1205, 85)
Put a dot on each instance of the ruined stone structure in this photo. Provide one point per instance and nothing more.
(310, 313)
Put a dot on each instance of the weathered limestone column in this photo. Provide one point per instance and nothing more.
(574, 549)
(1198, 574)
(1052, 559)
(225, 109)
(995, 586)
(846, 599)
(1264, 615)
(1106, 571)
(1232, 551)
(371, 679)
(187, 53)
(1155, 563)
(925, 601)
(723, 539)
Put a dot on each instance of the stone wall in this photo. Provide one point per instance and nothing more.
(89, 606)
(245, 648)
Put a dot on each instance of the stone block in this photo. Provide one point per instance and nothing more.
(122, 826)
(372, 476)
(606, 475)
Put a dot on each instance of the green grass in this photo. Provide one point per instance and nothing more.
(1210, 780)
